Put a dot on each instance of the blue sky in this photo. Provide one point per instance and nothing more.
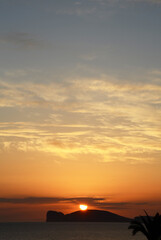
(110, 36)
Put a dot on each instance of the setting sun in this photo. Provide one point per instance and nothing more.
(83, 207)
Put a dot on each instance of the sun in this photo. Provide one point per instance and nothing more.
(83, 207)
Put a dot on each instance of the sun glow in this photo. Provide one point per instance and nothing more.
(83, 207)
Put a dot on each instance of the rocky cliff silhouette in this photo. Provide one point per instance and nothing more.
(85, 216)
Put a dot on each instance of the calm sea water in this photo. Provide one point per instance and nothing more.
(66, 231)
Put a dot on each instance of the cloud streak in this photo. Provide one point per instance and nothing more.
(102, 203)
(47, 200)
(99, 8)
(21, 40)
(112, 120)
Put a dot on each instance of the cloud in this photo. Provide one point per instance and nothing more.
(88, 57)
(21, 40)
(106, 118)
(25, 94)
(148, 1)
(99, 8)
(101, 203)
(104, 2)
(77, 10)
(49, 200)
(73, 93)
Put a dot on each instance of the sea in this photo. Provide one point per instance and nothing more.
(67, 231)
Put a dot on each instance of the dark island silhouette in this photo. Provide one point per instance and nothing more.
(85, 216)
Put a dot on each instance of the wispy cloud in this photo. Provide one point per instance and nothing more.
(104, 2)
(77, 10)
(101, 203)
(45, 200)
(148, 1)
(99, 8)
(21, 40)
(112, 119)
(88, 57)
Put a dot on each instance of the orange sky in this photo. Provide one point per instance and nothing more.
(124, 188)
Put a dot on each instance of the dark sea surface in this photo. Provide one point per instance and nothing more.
(66, 231)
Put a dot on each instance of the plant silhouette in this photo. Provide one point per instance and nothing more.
(149, 226)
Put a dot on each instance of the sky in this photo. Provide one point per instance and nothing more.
(80, 107)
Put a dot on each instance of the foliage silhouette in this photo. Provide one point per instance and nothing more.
(149, 226)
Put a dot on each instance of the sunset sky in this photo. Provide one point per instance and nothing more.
(80, 107)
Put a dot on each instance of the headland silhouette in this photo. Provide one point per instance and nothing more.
(85, 216)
